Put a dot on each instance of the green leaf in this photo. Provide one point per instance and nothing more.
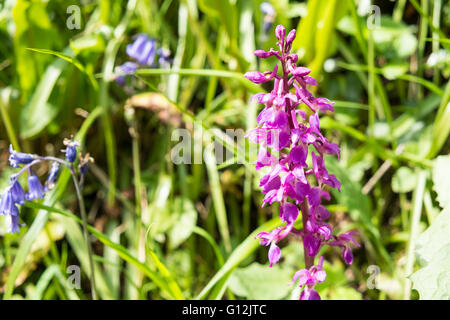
(38, 112)
(441, 174)
(433, 281)
(185, 221)
(31, 25)
(217, 196)
(434, 239)
(404, 180)
(260, 282)
(67, 55)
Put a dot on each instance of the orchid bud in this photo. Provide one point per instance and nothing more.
(255, 76)
(301, 71)
(291, 36)
(263, 54)
(280, 32)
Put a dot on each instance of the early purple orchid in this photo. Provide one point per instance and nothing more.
(290, 131)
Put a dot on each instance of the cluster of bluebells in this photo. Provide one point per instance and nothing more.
(15, 194)
(144, 51)
(286, 136)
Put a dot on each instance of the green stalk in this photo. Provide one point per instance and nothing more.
(371, 86)
(85, 232)
(137, 190)
(398, 11)
(435, 45)
(421, 47)
(8, 125)
(414, 231)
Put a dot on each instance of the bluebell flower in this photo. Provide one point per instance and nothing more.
(84, 163)
(143, 50)
(267, 8)
(52, 176)
(164, 58)
(71, 149)
(35, 188)
(128, 68)
(15, 226)
(269, 16)
(18, 195)
(7, 203)
(16, 158)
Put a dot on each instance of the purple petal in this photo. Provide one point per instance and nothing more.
(320, 275)
(280, 32)
(291, 36)
(302, 190)
(301, 71)
(298, 155)
(264, 54)
(256, 77)
(309, 294)
(312, 244)
(289, 212)
(347, 255)
(274, 254)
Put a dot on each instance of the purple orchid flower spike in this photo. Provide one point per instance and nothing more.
(291, 133)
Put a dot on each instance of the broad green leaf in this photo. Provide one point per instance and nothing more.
(32, 26)
(434, 239)
(441, 180)
(404, 180)
(260, 282)
(38, 112)
(186, 219)
(433, 281)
